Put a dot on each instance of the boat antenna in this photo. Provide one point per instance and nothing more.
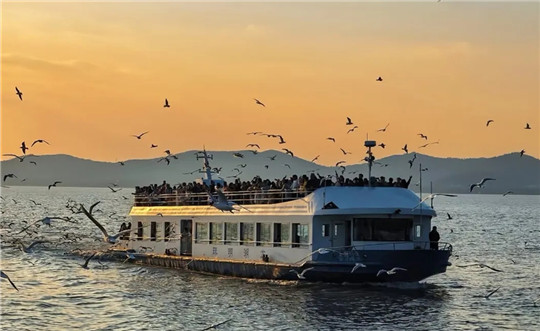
(420, 170)
(206, 164)
(370, 158)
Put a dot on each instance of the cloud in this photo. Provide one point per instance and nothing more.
(35, 63)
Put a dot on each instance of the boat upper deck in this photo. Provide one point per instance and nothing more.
(201, 199)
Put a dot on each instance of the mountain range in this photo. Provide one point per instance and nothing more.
(519, 174)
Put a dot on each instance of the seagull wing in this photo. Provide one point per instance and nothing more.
(3, 275)
(485, 180)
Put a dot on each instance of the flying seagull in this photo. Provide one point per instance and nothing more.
(315, 158)
(18, 92)
(379, 79)
(356, 266)
(351, 130)
(507, 192)
(258, 102)
(391, 271)
(85, 265)
(3, 274)
(29, 248)
(521, 153)
(349, 122)
(422, 136)
(527, 127)
(492, 292)
(301, 275)
(481, 184)
(153, 146)
(166, 105)
(449, 217)
(106, 237)
(288, 152)
(382, 145)
(39, 141)
(140, 136)
(9, 176)
(23, 147)
(54, 184)
(489, 121)
(432, 196)
(383, 129)
(345, 152)
(253, 145)
(481, 265)
(405, 148)
(281, 141)
(331, 138)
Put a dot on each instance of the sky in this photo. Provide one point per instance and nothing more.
(93, 75)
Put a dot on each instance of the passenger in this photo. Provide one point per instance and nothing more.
(434, 239)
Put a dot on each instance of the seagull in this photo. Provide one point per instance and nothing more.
(253, 145)
(106, 237)
(330, 138)
(121, 163)
(315, 158)
(383, 129)
(379, 79)
(3, 274)
(166, 103)
(489, 121)
(345, 152)
(449, 217)
(481, 265)
(286, 165)
(168, 152)
(507, 192)
(521, 153)
(272, 158)
(166, 160)
(281, 141)
(29, 248)
(301, 275)
(349, 122)
(382, 145)
(33, 162)
(153, 146)
(481, 184)
(240, 155)
(113, 190)
(432, 196)
(140, 136)
(35, 203)
(356, 266)
(492, 292)
(258, 102)
(222, 203)
(23, 147)
(18, 92)
(354, 127)
(288, 152)
(85, 265)
(340, 162)
(391, 271)
(54, 184)
(422, 136)
(9, 176)
(405, 148)
(527, 127)
(39, 141)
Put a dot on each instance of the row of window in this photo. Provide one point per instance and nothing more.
(249, 234)
(168, 231)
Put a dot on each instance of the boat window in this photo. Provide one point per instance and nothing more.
(140, 231)
(231, 233)
(367, 229)
(167, 231)
(326, 230)
(201, 232)
(300, 234)
(216, 232)
(153, 231)
(418, 230)
(277, 234)
(247, 233)
(263, 234)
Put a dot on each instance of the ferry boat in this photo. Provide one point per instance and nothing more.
(333, 234)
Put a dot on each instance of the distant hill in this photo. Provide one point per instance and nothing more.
(512, 172)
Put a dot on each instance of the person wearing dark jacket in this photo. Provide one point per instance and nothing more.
(434, 239)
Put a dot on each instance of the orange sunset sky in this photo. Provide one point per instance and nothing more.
(94, 74)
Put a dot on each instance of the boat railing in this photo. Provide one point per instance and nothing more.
(202, 199)
(356, 253)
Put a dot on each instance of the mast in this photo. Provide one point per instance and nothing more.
(370, 158)
(206, 164)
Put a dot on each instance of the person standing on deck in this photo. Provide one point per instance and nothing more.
(434, 239)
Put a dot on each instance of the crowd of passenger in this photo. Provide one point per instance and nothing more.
(299, 185)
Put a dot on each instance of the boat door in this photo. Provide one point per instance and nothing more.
(341, 233)
(185, 239)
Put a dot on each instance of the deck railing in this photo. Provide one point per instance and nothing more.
(202, 199)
